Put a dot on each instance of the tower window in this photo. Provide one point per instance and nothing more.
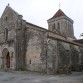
(6, 34)
(53, 27)
(58, 25)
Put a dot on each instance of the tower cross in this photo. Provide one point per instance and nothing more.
(8, 4)
(59, 5)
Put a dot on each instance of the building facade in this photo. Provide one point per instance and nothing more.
(25, 46)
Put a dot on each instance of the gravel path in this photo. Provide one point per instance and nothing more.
(32, 77)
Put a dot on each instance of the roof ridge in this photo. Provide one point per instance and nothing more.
(59, 13)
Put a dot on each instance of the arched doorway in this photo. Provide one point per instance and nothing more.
(6, 58)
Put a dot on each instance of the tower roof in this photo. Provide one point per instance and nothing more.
(59, 13)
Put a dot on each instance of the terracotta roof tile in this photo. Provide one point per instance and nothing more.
(58, 14)
(79, 41)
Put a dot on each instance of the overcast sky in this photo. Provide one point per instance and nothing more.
(39, 11)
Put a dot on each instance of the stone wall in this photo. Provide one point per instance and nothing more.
(75, 58)
(20, 44)
(69, 57)
(36, 50)
(8, 22)
(63, 57)
(62, 25)
(52, 57)
(81, 58)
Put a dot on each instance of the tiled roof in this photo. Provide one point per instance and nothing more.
(58, 14)
(79, 41)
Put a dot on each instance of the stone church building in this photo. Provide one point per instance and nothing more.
(25, 46)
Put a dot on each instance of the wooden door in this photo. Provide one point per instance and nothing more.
(8, 60)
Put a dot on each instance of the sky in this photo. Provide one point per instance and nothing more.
(39, 11)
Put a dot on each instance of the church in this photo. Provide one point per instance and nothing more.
(28, 47)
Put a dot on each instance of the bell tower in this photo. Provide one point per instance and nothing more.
(61, 24)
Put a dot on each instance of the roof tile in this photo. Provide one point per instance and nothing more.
(59, 13)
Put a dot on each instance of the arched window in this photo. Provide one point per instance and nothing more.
(58, 25)
(6, 34)
(53, 27)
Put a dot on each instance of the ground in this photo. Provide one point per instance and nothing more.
(33, 77)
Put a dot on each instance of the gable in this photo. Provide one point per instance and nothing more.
(10, 13)
(8, 19)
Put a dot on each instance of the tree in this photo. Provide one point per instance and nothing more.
(81, 34)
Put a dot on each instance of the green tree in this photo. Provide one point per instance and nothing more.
(81, 34)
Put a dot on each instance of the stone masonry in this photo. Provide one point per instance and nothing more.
(25, 46)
